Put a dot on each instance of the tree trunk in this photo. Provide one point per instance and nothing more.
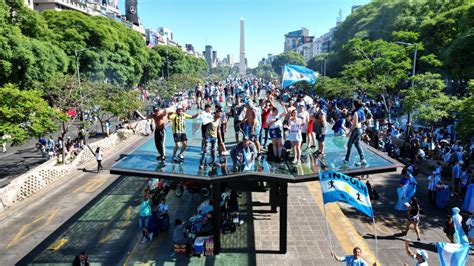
(63, 150)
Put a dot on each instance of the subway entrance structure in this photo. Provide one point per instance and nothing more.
(272, 176)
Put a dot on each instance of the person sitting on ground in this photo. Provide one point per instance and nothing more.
(352, 260)
(421, 256)
(179, 233)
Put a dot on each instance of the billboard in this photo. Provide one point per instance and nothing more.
(131, 11)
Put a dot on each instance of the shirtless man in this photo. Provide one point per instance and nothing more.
(160, 119)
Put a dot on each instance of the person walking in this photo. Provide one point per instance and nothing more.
(351, 260)
(356, 132)
(413, 217)
(99, 156)
(144, 218)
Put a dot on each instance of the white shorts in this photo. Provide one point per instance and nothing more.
(295, 136)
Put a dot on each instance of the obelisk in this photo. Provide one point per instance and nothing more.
(242, 64)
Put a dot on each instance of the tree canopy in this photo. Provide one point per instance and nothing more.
(282, 59)
(24, 114)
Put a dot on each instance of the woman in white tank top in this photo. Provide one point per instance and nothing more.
(294, 127)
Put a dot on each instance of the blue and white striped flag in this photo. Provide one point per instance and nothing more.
(340, 187)
(294, 73)
(452, 254)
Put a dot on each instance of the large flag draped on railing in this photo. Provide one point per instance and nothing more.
(294, 73)
(340, 187)
(452, 254)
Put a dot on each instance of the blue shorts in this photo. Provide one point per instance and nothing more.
(144, 222)
(275, 133)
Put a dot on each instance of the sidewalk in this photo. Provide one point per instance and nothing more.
(20, 159)
(32, 220)
(391, 247)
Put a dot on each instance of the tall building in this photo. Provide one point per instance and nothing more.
(242, 63)
(208, 55)
(105, 8)
(215, 60)
(295, 38)
(166, 33)
(230, 60)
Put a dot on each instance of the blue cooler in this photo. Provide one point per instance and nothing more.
(199, 245)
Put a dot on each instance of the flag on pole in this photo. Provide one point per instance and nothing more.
(294, 73)
(452, 254)
(340, 187)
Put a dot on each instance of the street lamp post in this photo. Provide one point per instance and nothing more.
(412, 80)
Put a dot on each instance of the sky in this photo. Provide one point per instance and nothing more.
(217, 22)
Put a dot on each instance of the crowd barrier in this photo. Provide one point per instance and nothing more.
(49, 172)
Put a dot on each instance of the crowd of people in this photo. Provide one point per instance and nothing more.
(282, 124)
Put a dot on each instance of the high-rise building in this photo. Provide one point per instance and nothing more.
(105, 8)
(295, 38)
(215, 61)
(208, 55)
(166, 33)
(242, 63)
(131, 11)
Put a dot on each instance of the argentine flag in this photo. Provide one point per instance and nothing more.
(452, 254)
(340, 187)
(294, 73)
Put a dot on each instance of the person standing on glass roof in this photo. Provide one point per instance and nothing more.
(178, 125)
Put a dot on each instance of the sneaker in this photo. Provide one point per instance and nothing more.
(241, 222)
(363, 162)
(345, 162)
(225, 153)
(181, 157)
(295, 161)
(144, 240)
(201, 166)
(150, 236)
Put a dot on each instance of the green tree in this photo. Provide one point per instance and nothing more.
(24, 114)
(377, 67)
(292, 58)
(426, 100)
(317, 63)
(327, 87)
(465, 111)
(63, 93)
(174, 60)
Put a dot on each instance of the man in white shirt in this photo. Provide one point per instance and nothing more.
(351, 260)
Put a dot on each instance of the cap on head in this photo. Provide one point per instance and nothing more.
(179, 106)
(423, 254)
